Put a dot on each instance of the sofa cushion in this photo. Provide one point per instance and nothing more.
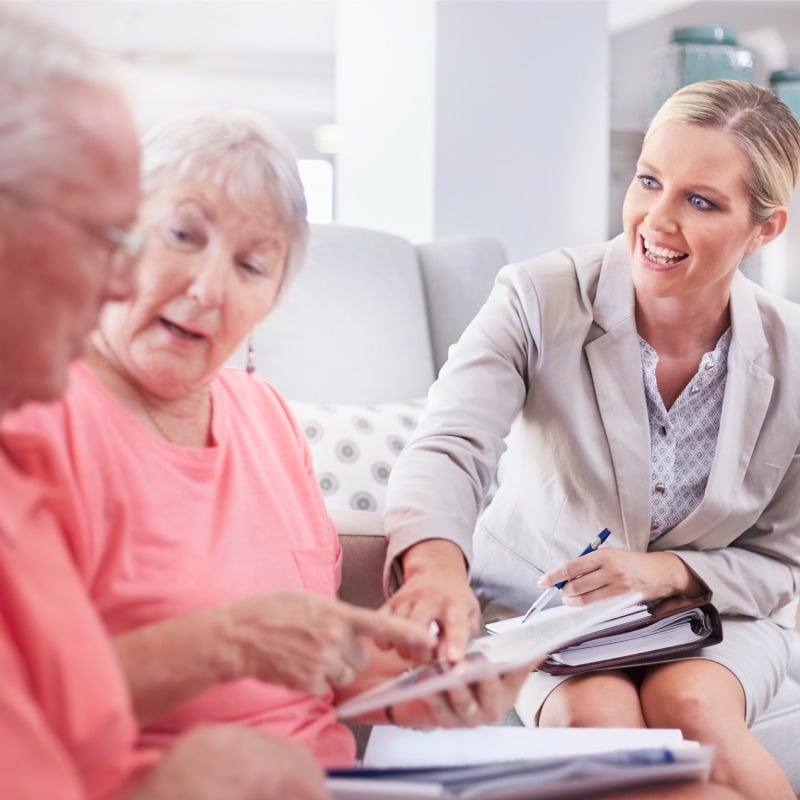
(458, 275)
(354, 448)
(354, 326)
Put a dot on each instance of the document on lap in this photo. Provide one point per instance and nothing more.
(519, 763)
(544, 779)
(491, 655)
(645, 633)
(631, 613)
(390, 746)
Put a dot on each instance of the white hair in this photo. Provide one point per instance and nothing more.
(240, 152)
(38, 64)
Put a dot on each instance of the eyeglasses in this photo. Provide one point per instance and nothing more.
(125, 246)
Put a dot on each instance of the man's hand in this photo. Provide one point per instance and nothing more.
(236, 763)
(436, 589)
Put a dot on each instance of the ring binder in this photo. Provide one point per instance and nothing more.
(674, 627)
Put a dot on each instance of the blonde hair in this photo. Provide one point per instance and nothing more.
(761, 124)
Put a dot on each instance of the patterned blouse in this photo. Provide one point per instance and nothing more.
(683, 439)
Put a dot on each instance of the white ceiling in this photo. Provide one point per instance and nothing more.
(272, 56)
(279, 55)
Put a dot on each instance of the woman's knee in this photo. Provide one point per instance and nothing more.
(697, 697)
(685, 707)
(607, 700)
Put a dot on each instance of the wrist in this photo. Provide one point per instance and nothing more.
(683, 581)
(227, 647)
(439, 555)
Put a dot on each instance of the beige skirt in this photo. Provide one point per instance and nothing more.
(756, 651)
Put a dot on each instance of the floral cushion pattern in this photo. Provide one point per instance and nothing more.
(354, 448)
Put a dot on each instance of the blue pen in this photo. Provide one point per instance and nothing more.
(544, 598)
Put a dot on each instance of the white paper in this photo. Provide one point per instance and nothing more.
(390, 746)
(368, 789)
(530, 779)
(668, 632)
(632, 613)
(490, 655)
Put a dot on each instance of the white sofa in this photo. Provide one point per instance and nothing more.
(358, 340)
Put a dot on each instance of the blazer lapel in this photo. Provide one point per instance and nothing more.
(615, 365)
(748, 391)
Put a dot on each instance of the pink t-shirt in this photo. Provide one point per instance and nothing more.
(158, 529)
(66, 727)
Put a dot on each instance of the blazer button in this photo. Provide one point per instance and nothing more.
(660, 488)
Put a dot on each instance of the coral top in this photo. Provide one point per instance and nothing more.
(158, 529)
(66, 728)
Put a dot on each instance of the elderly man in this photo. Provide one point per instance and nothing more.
(69, 176)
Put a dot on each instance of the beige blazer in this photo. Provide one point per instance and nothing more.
(551, 368)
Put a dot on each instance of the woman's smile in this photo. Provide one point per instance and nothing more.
(660, 255)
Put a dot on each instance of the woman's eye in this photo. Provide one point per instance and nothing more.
(700, 203)
(647, 181)
(181, 235)
(252, 267)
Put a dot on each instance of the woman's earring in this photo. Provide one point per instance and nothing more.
(250, 368)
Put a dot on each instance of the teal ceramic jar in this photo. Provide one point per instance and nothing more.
(786, 84)
(699, 54)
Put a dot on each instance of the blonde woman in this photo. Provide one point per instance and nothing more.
(650, 388)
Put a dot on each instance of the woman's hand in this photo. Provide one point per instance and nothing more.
(300, 640)
(312, 643)
(480, 703)
(609, 571)
(436, 589)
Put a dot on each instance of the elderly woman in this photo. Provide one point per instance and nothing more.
(187, 488)
(649, 387)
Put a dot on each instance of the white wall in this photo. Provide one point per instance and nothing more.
(454, 116)
(488, 116)
(522, 120)
(271, 56)
(385, 72)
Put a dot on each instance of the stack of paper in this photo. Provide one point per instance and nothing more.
(506, 763)
(665, 633)
(630, 613)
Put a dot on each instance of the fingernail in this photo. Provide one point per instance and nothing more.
(454, 653)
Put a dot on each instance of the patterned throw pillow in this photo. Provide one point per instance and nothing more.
(354, 448)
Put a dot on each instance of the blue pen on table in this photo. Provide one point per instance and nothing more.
(542, 600)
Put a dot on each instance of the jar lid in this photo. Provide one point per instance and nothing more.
(781, 75)
(704, 34)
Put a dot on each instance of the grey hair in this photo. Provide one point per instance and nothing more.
(39, 63)
(761, 124)
(240, 152)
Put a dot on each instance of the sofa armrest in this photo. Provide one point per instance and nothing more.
(363, 553)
